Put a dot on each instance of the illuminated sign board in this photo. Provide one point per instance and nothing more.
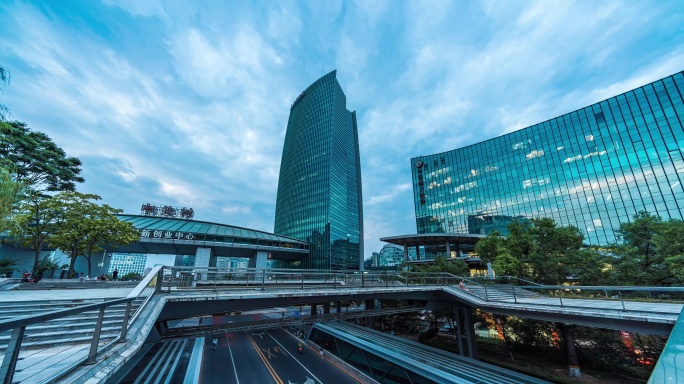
(166, 211)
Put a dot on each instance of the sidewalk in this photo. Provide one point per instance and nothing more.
(63, 294)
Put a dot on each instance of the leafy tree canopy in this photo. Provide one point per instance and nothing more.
(442, 264)
(542, 252)
(37, 160)
(10, 193)
(39, 217)
(651, 251)
(87, 227)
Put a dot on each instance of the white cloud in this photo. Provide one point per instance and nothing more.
(391, 193)
(140, 8)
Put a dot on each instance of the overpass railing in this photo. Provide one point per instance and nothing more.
(73, 355)
(196, 278)
(498, 289)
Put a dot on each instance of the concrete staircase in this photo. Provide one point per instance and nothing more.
(72, 330)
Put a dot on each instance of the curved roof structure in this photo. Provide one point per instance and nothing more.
(182, 237)
(433, 239)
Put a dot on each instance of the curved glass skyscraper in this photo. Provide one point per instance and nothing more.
(593, 168)
(319, 190)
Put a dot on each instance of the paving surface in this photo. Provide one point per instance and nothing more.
(63, 294)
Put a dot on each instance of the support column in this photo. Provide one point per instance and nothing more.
(459, 331)
(448, 250)
(339, 307)
(406, 257)
(458, 249)
(465, 331)
(417, 252)
(469, 331)
(370, 320)
(202, 257)
(260, 260)
(326, 308)
(314, 310)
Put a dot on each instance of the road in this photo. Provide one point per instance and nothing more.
(266, 356)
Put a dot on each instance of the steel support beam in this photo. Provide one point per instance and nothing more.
(469, 331)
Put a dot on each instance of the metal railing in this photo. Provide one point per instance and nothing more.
(197, 278)
(143, 291)
(501, 289)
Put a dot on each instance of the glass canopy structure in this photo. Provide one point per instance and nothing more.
(319, 190)
(592, 168)
(160, 235)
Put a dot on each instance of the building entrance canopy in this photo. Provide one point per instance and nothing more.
(422, 239)
(436, 243)
(177, 236)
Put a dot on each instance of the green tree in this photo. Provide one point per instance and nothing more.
(589, 266)
(71, 235)
(131, 276)
(442, 264)
(670, 244)
(105, 229)
(87, 227)
(38, 162)
(539, 251)
(10, 192)
(46, 264)
(7, 266)
(639, 261)
(38, 219)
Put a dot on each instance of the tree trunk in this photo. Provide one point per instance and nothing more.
(570, 351)
(90, 268)
(36, 260)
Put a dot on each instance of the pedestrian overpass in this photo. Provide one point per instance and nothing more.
(170, 293)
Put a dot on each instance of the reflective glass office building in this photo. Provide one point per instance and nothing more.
(319, 190)
(593, 168)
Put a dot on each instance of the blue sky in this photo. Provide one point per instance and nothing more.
(186, 102)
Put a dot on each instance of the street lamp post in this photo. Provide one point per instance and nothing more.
(104, 256)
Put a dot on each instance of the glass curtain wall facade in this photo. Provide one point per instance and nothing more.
(319, 190)
(592, 168)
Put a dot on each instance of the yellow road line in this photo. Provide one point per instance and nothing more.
(266, 363)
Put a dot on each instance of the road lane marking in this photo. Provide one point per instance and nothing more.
(230, 350)
(271, 370)
(260, 334)
(295, 359)
(268, 351)
(175, 363)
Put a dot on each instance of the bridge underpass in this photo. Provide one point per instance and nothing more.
(229, 324)
(172, 301)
